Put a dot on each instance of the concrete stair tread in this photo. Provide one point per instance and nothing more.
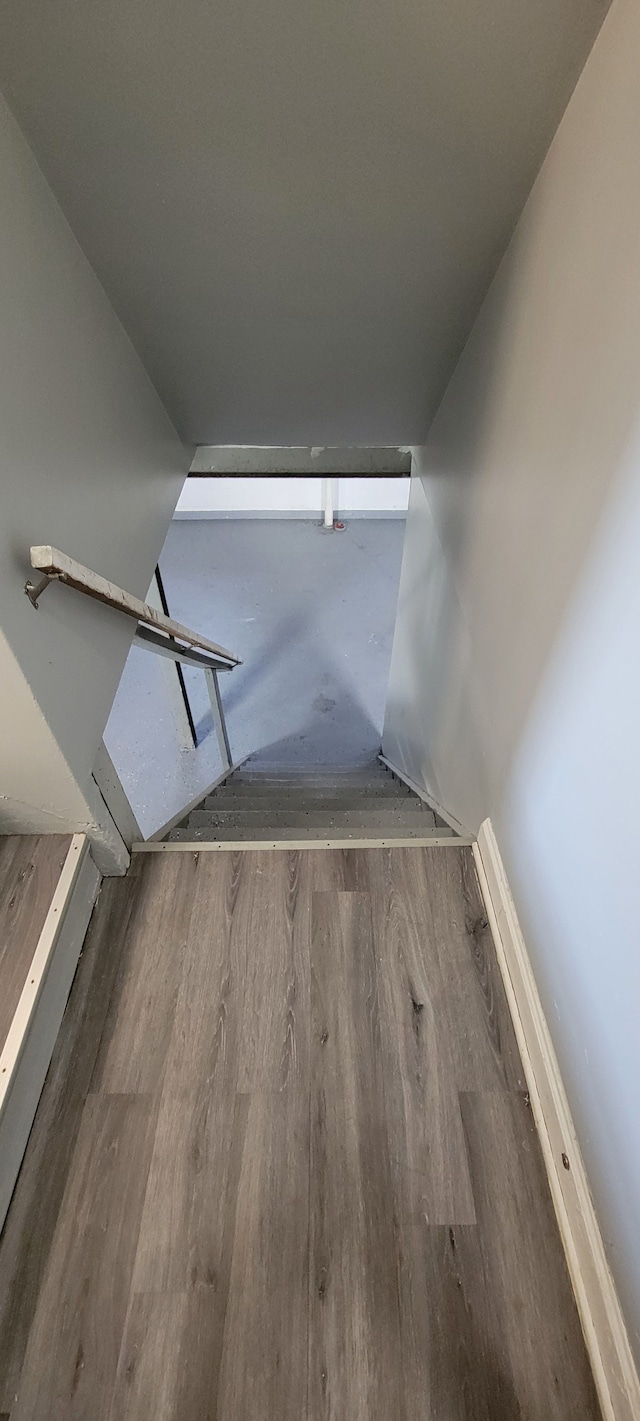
(275, 767)
(303, 800)
(332, 789)
(307, 776)
(320, 781)
(374, 818)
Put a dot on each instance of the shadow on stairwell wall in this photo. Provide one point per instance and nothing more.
(334, 729)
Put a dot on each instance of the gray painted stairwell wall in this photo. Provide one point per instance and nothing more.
(90, 462)
(515, 683)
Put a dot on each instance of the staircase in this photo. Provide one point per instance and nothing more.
(273, 804)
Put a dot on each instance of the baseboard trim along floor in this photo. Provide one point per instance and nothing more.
(603, 1324)
(28, 1048)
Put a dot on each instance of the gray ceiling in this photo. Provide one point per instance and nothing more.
(294, 205)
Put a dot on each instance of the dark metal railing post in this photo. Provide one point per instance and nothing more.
(180, 673)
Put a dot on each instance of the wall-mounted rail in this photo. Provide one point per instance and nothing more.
(156, 630)
(185, 655)
(56, 566)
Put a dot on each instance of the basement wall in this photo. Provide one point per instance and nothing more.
(515, 676)
(89, 462)
(292, 498)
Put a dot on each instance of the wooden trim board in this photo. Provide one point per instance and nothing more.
(603, 1324)
(197, 846)
(426, 798)
(53, 563)
(28, 1048)
(114, 795)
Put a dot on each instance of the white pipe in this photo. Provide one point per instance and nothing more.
(328, 502)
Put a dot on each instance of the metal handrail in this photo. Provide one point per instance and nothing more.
(184, 655)
(56, 566)
(156, 631)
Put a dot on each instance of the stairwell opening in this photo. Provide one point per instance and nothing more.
(291, 558)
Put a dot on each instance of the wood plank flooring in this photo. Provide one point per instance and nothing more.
(284, 1167)
(30, 866)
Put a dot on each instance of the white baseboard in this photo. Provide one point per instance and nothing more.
(603, 1324)
(28, 1049)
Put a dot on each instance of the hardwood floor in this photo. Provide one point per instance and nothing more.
(284, 1168)
(30, 866)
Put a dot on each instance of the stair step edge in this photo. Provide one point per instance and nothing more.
(340, 819)
(299, 802)
(312, 835)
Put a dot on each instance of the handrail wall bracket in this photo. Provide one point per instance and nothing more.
(34, 590)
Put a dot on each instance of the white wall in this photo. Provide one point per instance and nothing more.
(514, 678)
(89, 462)
(34, 770)
(291, 497)
(569, 823)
